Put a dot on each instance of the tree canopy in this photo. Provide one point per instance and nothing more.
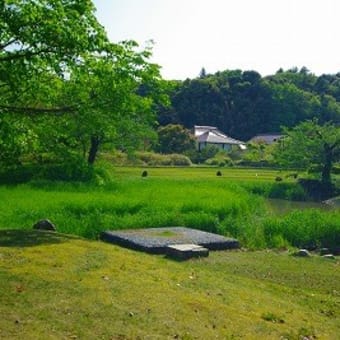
(311, 144)
(174, 138)
(41, 39)
(64, 88)
(243, 104)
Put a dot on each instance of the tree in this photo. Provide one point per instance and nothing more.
(311, 144)
(203, 73)
(42, 37)
(113, 102)
(80, 91)
(244, 104)
(174, 138)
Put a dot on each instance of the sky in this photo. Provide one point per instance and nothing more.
(260, 35)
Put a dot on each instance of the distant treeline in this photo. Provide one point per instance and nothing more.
(243, 103)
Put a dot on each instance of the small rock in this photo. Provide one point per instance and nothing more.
(329, 256)
(186, 251)
(45, 225)
(302, 253)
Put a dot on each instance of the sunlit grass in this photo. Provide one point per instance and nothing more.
(191, 197)
(61, 287)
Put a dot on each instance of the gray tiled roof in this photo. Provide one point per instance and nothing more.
(267, 137)
(217, 138)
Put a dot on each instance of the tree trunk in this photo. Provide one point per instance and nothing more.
(327, 167)
(95, 141)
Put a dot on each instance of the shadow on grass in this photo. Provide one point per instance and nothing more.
(31, 238)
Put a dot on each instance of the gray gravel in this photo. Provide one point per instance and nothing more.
(156, 240)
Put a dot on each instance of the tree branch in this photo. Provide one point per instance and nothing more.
(10, 42)
(34, 110)
(20, 55)
(332, 147)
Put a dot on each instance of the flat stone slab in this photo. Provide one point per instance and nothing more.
(156, 240)
(186, 251)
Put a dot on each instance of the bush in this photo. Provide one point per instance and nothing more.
(314, 168)
(180, 160)
(210, 151)
(288, 191)
(336, 169)
(115, 157)
(155, 159)
(221, 159)
(317, 190)
(71, 170)
(16, 175)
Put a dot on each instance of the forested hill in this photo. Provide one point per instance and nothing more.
(243, 104)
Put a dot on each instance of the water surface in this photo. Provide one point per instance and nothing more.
(280, 206)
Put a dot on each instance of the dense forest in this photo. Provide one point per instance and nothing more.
(243, 104)
(67, 92)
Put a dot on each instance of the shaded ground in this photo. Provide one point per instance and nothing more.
(30, 238)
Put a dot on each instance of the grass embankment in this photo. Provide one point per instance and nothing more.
(171, 197)
(60, 287)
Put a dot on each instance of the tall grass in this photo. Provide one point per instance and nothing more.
(217, 205)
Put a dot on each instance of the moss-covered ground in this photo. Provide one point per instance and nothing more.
(54, 286)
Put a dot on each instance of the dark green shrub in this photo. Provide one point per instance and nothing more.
(316, 189)
(315, 168)
(289, 191)
(218, 173)
(336, 169)
(210, 151)
(70, 170)
(16, 175)
(144, 173)
(221, 159)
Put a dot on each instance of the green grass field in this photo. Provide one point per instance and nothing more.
(232, 205)
(61, 287)
(240, 174)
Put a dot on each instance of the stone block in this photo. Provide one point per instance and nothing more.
(186, 251)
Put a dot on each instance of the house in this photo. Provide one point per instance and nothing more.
(267, 138)
(210, 135)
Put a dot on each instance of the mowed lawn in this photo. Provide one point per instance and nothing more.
(62, 287)
(240, 174)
